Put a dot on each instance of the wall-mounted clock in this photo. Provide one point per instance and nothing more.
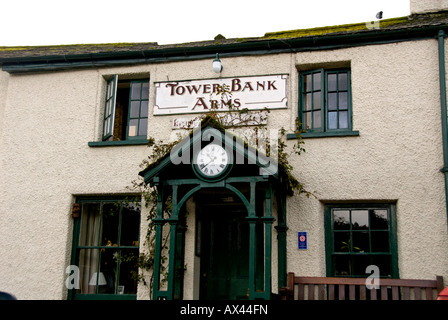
(212, 161)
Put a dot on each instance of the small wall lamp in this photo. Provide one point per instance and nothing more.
(217, 66)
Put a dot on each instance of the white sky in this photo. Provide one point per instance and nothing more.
(52, 22)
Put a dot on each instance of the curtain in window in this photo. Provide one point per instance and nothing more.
(89, 236)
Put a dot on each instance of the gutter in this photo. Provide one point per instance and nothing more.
(443, 105)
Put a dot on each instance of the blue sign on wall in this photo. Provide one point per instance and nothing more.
(302, 239)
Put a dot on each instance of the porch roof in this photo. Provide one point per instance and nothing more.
(267, 165)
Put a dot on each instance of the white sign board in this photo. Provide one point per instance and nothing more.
(199, 96)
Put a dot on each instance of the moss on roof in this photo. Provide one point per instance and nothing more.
(334, 29)
(87, 51)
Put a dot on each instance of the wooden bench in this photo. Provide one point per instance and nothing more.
(325, 288)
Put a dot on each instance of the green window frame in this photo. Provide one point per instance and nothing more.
(138, 109)
(105, 248)
(358, 235)
(126, 110)
(109, 111)
(325, 102)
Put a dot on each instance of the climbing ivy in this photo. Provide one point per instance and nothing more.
(249, 126)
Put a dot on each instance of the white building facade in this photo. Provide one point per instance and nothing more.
(74, 128)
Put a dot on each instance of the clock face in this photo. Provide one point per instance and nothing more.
(212, 160)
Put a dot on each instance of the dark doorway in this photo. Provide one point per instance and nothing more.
(224, 251)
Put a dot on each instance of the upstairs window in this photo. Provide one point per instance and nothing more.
(126, 110)
(325, 101)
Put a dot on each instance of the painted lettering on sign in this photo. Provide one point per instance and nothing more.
(253, 93)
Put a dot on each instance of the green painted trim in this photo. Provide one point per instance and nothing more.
(135, 142)
(110, 97)
(281, 238)
(443, 105)
(306, 135)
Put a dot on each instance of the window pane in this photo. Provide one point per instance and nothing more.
(343, 120)
(316, 100)
(107, 112)
(106, 126)
(380, 241)
(144, 109)
(130, 225)
(307, 124)
(359, 265)
(360, 242)
(307, 83)
(316, 81)
(127, 283)
(378, 219)
(342, 265)
(333, 120)
(108, 271)
(317, 119)
(341, 220)
(343, 100)
(145, 91)
(133, 127)
(342, 81)
(135, 91)
(143, 127)
(332, 101)
(109, 90)
(88, 266)
(342, 242)
(384, 263)
(308, 105)
(90, 224)
(109, 223)
(135, 108)
(360, 219)
(332, 82)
